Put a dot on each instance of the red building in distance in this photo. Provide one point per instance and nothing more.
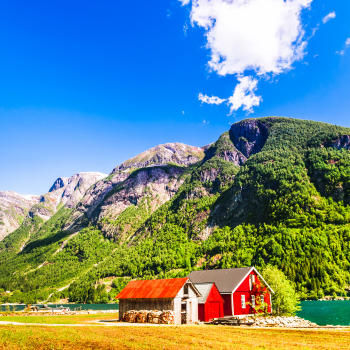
(211, 303)
(242, 289)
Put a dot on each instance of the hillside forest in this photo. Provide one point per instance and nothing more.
(269, 191)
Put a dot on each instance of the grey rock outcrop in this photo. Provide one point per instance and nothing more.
(77, 185)
(249, 136)
(244, 139)
(69, 194)
(157, 184)
(159, 156)
(69, 191)
(13, 209)
(225, 149)
(59, 183)
(341, 142)
(176, 153)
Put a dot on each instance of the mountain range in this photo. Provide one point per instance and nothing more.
(268, 191)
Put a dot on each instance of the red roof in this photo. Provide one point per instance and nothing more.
(152, 288)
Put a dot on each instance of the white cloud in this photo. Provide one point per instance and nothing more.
(314, 30)
(328, 17)
(185, 28)
(213, 100)
(347, 44)
(266, 36)
(244, 95)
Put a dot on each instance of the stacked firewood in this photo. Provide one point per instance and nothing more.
(154, 316)
(141, 316)
(167, 317)
(129, 316)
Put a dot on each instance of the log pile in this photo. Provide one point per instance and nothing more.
(146, 316)
(167, 317)
(154, 317)
(141, 317)
(129, 316)
(232, 321)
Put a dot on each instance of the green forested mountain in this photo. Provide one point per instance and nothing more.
(269, 191)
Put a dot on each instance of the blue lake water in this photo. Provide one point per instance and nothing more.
(335, 312)
(321, 312)
(71, 306)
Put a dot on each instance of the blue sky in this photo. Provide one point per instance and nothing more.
(85, 85)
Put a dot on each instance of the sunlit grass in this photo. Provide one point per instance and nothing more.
(60, 319)
(182, 337)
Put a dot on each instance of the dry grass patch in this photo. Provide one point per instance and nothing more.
(59, 319)
(183, 337)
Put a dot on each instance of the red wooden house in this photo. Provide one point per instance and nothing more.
(210, 304)
(243, 289)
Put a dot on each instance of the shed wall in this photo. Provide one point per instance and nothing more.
(192, 309)
(177, 310)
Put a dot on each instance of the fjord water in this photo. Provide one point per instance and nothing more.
(335, 312)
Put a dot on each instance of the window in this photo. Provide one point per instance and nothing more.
(243, 301)
(262, 298)
(186, 289)
(253, 300)
(251, 281)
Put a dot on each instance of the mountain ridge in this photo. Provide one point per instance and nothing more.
(13, 209)
(269, 190)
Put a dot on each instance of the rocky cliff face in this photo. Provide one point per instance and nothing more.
(59, 183)
(77, 186)
(65, 191)
(13, 209)
(341, 142)
(244, 139)
(160, 156)
(226, 150)
(176, 153)
(249, 136)
(146, 191)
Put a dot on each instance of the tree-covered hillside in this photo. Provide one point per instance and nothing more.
(269, 191)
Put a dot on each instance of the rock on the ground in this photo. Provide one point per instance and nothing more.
(283, 321)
